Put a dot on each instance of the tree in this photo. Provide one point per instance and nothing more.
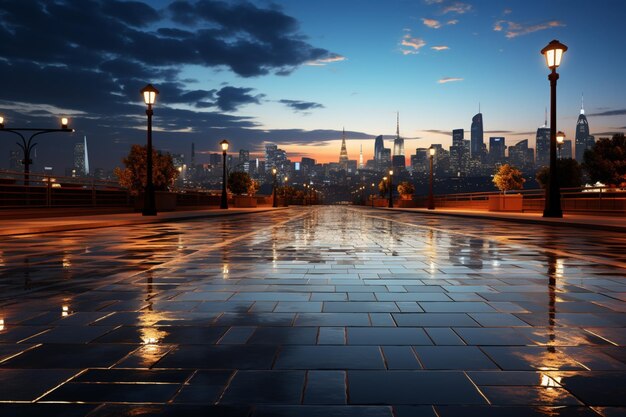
(606, 161)
(239, 182)
(508, 178)
(406, 190)
(383, 188)
(568, 170)
(134, 176)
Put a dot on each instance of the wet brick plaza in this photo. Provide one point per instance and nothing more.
(326, 311)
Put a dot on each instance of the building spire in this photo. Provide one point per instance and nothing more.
(545, 122)
(582, 104)
(479, 107)
(361, 166)
(398, 125)
(343, 155)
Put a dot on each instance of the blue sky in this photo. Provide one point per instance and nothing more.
(296, 72)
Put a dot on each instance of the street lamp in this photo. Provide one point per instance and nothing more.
(390, 205)
(26, 144)
(149, 94)
(560, 140)
(274, 202)
(431, 197)
(553, 52)
(224, 202)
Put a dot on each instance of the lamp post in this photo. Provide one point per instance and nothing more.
(560, 140)
(224, 202)
(27, 145)
(431, 197)
(274, 202)
(553, 52)
(390, 205)
(373, 194)
(149, 94)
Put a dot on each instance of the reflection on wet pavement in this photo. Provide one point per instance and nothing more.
(314, 311)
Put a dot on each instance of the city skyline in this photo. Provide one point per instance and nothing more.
(302, 77)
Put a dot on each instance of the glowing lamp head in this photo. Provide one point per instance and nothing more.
(149, 94)
(224, 145)
(1, 122)
(64, 122)
(286, 179)
(274, 170)
(373, 185)
(384, 178)
(431, 151)
(554, 53)
(560, 138)
(390, 172)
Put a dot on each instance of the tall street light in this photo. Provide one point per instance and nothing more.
(27, 145)
(431, 197)
(553, 52)
(224, 202)
(560, 140)
(373, 194)
(149, 94)
(274, 202)
(390, 205)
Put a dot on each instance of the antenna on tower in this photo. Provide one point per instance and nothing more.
(479, 107)
(545, 123)
(398, 124)
(582, 103)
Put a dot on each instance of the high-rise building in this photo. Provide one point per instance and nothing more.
(584, 140)
(476, 138)
(385, 158)
(81, 166)
(270, 155)
(420, 161)
(15, 160)
(566, 149)
(459, 153)
(343, 155)
(379, 144)
(542, 144)
(521, 156)
(496, 150)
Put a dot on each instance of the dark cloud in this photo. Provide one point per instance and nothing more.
(619, 112)
(229, 98)
(300, 106)
(492, 132)
(596, 134)
(441, 132)
(133, 13)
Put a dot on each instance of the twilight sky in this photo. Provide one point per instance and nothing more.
(295, 72)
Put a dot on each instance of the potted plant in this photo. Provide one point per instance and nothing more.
(406, 191)
(506, 179)
(383, 192)
(240, 184)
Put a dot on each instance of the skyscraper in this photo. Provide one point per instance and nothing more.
(459, 154)
(476, 138)
(343, 155)
(378, 148)
(584, 140)
(520, 155)
(496, 150)
(81, 158)
(15, 160)
(542, 144)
